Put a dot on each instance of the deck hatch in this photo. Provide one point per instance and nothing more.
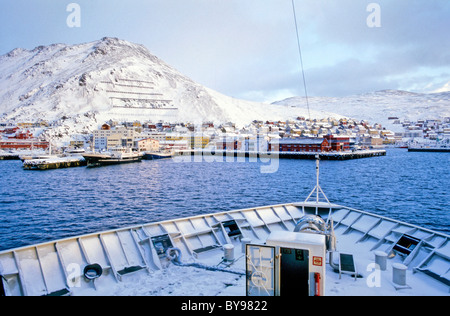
(406, 244)
(162, 243)
(231, 228)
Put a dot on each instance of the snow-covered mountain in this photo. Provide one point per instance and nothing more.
(79, 87)
(85, 85)
(378, 107)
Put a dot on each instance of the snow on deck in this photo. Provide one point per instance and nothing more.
(190, 281)
(134, 260)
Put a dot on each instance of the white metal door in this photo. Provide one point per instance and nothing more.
(260, 270)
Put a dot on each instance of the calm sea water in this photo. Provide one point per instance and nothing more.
(39, 206)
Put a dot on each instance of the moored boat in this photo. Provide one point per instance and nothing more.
(158, 155)
(113, 157)
(442, 146)
(430, 149)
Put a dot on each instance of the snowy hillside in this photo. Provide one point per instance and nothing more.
(76, 88)
(82, 86)
(377, 107)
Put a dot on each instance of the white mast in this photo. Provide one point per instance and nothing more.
(317, 189)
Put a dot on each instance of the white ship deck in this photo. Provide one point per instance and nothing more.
(134, 261)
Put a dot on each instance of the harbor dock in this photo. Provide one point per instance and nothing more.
(343, 155)
(430, 150)
(8, 156)
(54, 163)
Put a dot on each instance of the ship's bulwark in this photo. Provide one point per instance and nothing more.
(136, 260)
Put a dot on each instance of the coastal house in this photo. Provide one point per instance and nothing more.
(21, 135)
(388, 137)
(77, 144)
(371, 141)
(199, 140)
(389, 140)
(253, 142)
(147, 144)
(25, 125)
(10, 130)
(446, 132)
(228, 143)
(174, 145)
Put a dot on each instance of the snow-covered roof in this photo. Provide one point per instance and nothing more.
(300, 141)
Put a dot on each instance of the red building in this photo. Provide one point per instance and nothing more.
(338, 143)
(304, 144)
(10, 130)
(23, 144)
(23, 135)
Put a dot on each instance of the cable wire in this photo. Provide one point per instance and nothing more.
(301, 58)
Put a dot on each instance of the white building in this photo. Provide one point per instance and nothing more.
(105, 139)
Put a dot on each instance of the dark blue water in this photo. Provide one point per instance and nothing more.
(39, 206)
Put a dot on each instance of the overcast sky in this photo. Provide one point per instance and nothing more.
(248, 48)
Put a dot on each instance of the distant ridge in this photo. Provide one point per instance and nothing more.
(378, 106)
